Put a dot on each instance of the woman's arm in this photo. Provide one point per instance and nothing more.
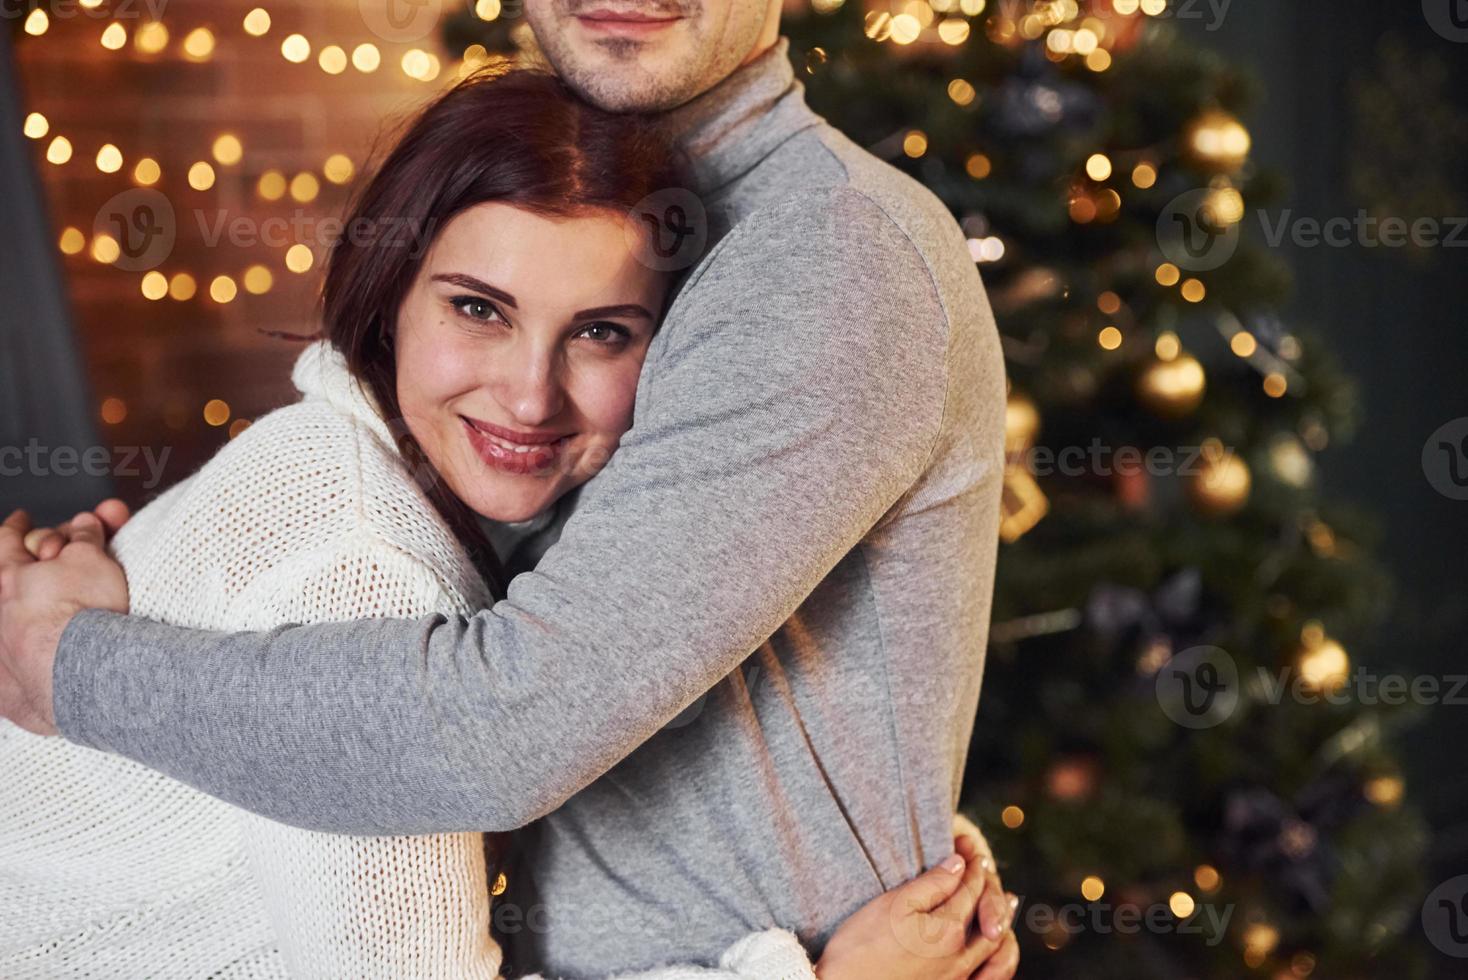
(368, 908)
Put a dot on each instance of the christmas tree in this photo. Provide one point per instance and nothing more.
(1171, 759)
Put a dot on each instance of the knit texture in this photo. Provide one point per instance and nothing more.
(112, 871)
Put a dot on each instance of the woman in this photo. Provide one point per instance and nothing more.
(477, 381)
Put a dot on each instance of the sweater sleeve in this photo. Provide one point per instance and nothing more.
(795, 394)
(369, 908)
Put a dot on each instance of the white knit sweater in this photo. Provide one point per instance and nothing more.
(111, 871)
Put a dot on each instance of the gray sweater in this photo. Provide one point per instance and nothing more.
(738, 691)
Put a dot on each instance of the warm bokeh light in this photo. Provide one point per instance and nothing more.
(1144, 175)
(1012, 817)
(72, 241)
(272, 185)
(198, 45)
(182, 287)
(1109, 338)
(1168, 274)
(298, 258)
(366, 58)
(114, 38)
(228, 150)
(155, 285)
(257, 23)
(1275, 385)
(1168, 346)
(915, 143)
(37, 23)
(1092, 888)
(216, 411)
(147, 172)
(105, 249)
(201, 176)
(36, 126)
(333, 60)
(1098, 167)
(295, 48)
(305, 187)
(1194, 291)
(338, 168)
(151, 38)
(113, 410)
(258, 280)
(1182, 904)
(223, 289)
(1243, 344)
(978, 166)
(1207, 878)
(59, 151)
(109, 159)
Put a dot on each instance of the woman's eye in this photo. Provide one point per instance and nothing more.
(475, 307)
(605, 333)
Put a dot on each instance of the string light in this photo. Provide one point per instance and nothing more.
(109, 159)
(147, 172)
(1182, 904)
(333, 60)
(72, 241)
(915, 143)
(1193, 291)
(216, 411)
(1109, 338)
(223, 289)
(114, 38)
(37, 23)
(298, 259)
(272, 185)
(1243, 344)
(257, 23)
(258, 280)
(295, 49)
(201, 176)
(228, 150)
(1207, 878)
(1275, 385)
(338, 168)
(151, 38)
(953, 30)
(487, 9)
(36, 126)
(978, 166)
(1098, 167)
(113, 410)
(1092, 888)
(59, 152)
(366, 58)
(105, 249)
(155, 285)
(1012, 816)
(305, 187)
(1168, 274)
(905, 28)
(199, 44)
(961, 91)
(182, 287)
(1144, 175)
(238, 426)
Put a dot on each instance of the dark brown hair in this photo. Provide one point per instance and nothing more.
(519, 137)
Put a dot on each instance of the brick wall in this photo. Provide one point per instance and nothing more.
(155, 365)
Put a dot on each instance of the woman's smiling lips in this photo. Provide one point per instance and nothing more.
(625, 23)
(512, 451)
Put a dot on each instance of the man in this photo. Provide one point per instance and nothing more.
(738, 690)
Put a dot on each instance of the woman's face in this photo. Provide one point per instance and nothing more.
(518, 351)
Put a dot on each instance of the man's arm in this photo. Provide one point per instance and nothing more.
(794, 395)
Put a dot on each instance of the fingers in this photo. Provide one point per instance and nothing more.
(86, 528)
(1004, 964)
(994, 909)
(113, 513)
(961, 905)
(932, 888)
(12, 539)
(46, 543)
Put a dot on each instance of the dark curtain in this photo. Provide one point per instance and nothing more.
(46, 409)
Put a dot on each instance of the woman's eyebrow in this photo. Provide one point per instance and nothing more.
(478, 285)
(622, 310)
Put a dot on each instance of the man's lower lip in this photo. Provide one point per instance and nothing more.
(536, 459)
(627, 28)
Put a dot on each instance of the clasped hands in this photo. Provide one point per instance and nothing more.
(47, 575)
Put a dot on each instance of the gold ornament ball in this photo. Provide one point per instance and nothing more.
(1172, 388)
(1021, 422)
(1220, 486)
(1218, 141)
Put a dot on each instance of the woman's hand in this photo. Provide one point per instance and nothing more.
(929, 928)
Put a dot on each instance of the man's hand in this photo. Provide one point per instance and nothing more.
(46, 542)
(37, 600)
(935, 927)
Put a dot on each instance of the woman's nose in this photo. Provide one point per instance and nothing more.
(532, 392)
